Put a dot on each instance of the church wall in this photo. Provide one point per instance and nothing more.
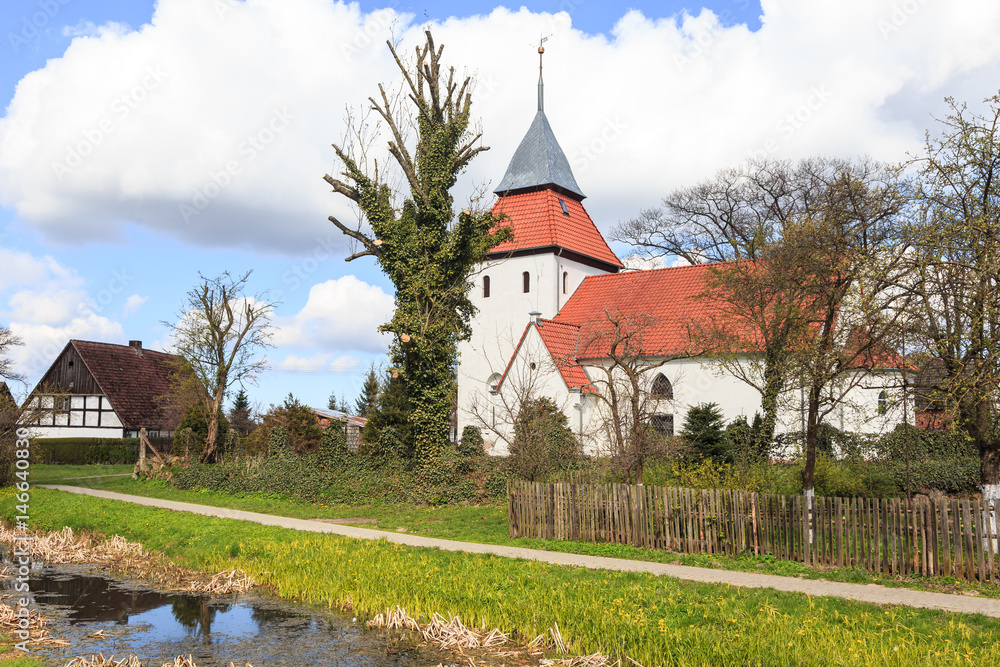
(502, 317)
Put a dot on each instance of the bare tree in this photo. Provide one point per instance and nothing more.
(951, 278)
(220, 334)
(621, 358)
(759, 308)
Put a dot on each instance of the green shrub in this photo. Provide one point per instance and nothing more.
(925, 445)
(705, 431)
(471, 443)
(958, 475)
(543, 442)
(335, 474)
(83, 451)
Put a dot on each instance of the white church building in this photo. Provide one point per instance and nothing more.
(544, 298)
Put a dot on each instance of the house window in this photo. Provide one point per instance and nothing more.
(883, 402)
(565, 211)
(663, 390)
(486, 287)
(526, 279)
(663, 424)
(565, 281)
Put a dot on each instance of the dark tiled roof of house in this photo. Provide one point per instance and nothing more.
(132, 379)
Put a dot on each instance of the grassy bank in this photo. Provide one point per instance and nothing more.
(487, 524)
(653, 620)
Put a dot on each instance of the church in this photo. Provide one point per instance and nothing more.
(552, 300)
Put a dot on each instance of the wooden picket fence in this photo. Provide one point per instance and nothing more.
(888, 535)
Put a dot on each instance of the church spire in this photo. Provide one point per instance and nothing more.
(539, 161)
(541, 87)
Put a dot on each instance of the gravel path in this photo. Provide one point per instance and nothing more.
(865, 593)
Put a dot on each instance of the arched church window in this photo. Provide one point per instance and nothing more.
(883, 402)
(526, 279)
(662, 389)
(486, 287)
(565, 281)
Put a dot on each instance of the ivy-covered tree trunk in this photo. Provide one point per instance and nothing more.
(425, 249)
(774, 382)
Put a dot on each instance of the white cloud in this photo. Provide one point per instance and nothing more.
(235, 110)
(47, 304)
(133, 304)
(341, 314)
(318, 363)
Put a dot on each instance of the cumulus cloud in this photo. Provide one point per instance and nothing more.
(213, 122)
(47, 304)
(341, 314)
(317, 363)
(133, 304)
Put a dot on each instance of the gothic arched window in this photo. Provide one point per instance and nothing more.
(662, 389)
(486, 287)
(883, 402)
(526, 279)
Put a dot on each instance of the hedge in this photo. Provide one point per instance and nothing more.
(80, 451)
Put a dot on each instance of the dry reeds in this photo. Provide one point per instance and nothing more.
(131, 661)
(454, 634)
(120, 555)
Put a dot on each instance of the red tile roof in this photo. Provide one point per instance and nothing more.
(665, 300)
(560, 340)
(537, 221)
(131, 380)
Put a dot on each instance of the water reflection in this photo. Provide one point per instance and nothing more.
(158, 626)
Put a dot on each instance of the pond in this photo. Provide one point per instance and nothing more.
(99, 614)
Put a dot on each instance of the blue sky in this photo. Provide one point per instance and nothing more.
(115, 126)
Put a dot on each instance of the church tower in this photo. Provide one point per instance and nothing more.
(555, 245)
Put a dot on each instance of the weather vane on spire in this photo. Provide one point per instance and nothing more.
(541, 52)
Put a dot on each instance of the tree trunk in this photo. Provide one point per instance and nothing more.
(211, 440)
(773, 383)
(812, 430)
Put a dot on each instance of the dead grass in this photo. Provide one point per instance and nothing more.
(131, 661)
(129, 558)
(453, 635)
(38, 634)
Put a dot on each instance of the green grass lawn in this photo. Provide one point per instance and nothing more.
(654, 620)
(487, 524)
(51, 474)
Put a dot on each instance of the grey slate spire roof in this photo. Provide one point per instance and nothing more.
(538, 160)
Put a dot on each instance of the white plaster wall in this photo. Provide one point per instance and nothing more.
(74, 432)
(502, 317)
(542, 380)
